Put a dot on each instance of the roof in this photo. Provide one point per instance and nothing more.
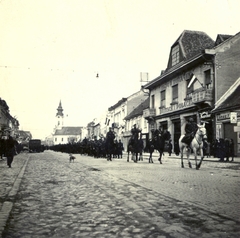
(117, 104)
(70, 130)
(138, 111)
(221, 38)
(230, 100)
(193, 43)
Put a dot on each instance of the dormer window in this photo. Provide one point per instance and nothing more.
(175, 55)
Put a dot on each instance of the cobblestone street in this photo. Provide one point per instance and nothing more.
(98, 198)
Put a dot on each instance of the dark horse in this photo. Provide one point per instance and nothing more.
(157, 143)
(135, 147)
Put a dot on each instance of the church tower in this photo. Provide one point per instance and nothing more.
(59, 116)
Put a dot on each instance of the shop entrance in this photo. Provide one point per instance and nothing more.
(176, 135)
(230, 134)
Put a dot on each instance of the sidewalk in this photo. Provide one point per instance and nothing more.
(173, 156)
(10, 181)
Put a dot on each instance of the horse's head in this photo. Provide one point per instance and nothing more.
(202, 131)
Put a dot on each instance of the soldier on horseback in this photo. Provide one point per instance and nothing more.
(135, 131)
(190, 130)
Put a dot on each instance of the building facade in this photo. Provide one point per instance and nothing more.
(199, 71)
(227, 116)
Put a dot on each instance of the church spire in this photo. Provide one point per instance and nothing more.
(59, 110)
(59, 116)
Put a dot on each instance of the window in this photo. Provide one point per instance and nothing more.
(207, 76)
(55, 138)
(62, 139)
(189, 89)
(153, 101)
(163, 98)
(175, 93)
(175, 55)
(145, 123)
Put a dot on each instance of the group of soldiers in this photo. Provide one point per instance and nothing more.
(107, 147)
(103, 147)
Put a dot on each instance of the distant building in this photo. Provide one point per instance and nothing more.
(6, 120)
(64, 134)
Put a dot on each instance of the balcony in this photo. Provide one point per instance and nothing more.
(203, 95)
(150, 112)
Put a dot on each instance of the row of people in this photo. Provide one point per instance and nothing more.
(223, 148)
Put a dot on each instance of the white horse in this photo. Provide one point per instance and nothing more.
(196, 145)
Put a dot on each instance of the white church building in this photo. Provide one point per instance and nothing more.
(65, 134)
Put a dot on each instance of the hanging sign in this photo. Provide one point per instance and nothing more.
(233, 117)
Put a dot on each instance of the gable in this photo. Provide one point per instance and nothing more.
(190, 44)
(221, 38)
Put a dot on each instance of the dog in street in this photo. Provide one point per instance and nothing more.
(71, 158)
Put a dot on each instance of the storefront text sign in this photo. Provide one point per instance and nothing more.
(224, 116)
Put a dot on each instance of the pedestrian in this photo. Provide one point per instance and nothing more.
(231, 149)
(120, 149)
(110, 143)
(221, 150)
(170, 147)
(176, 148)
(208, 149)
(226, 143)
(10, 146)
(2, 145)
(215, 146)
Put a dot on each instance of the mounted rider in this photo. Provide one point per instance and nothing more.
(190, 130)
(158, 132)
(110, 136)
(135, 133)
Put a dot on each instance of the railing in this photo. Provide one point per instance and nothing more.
(203, 95)
(150, 112)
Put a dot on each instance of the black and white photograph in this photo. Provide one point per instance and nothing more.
(119, 118)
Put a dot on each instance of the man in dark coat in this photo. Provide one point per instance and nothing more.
(135, 131)
(190, 130)
(10, 147)
(120, 149)
(110, 143)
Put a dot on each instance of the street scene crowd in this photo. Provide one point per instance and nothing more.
(109, 147)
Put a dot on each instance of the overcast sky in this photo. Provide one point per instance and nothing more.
(51, 50)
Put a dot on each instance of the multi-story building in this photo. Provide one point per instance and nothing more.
(199, 71)
(6, 120)
(115, 117)
(136, 117)
(117, 113)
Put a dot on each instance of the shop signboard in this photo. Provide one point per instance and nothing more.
(233, 117)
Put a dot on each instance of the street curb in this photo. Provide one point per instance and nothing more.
(8, 205)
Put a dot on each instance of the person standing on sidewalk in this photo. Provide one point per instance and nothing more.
(231, 149)
(170, 147)
(10, 149)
